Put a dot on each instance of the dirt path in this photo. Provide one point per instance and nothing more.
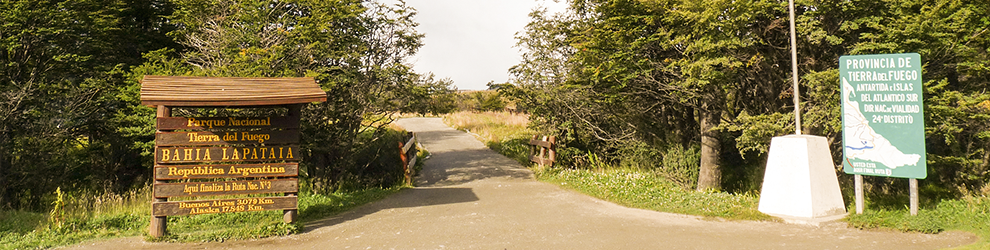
(469, 197)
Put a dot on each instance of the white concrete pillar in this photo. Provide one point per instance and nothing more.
(800, 184)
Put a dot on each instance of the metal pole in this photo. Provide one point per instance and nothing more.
(859, 194)
(794, 73)
(913, 185)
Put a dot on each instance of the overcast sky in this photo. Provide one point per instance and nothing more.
(471, 41)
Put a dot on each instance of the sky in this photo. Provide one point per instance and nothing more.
(471, 41)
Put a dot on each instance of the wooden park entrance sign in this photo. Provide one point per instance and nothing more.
(226, 156)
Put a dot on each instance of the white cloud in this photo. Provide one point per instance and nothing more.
(471, 41)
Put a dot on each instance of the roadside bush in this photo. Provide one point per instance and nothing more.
(373, 162)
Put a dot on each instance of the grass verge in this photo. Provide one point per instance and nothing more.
(508, 135)
(642, 189)
(638, 189)
(970, 214)
(23, 230)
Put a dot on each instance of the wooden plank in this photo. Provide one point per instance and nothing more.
(184, 91)
(412, 163)
(540, 160)
(246, 204)
(165, 155)
(184, 172)
(233, 103)
(409, 144)
(163, 190)
(204, 138)
(540, 143)
(200, 123)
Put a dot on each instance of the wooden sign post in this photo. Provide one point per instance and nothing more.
(226, 156)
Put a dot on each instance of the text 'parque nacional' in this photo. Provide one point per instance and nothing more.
(228, 122)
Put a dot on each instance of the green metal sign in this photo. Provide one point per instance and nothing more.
(883, 126)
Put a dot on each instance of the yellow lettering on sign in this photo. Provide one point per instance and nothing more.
(165, 154)
(260, 138)
(189, 189)
(196, 137)
(267, 121)
(192, 122)
(245, 171)
(188, 153)
(193, 204)
(194, 171)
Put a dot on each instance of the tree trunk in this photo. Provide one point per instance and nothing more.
(710, 174)
(4, 201)
(317, 171)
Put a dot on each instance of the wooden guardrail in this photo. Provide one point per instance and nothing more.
(407, 152)
(543, 150)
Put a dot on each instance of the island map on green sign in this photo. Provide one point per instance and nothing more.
(883, 115)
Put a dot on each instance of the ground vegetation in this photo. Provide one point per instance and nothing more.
(633, 81)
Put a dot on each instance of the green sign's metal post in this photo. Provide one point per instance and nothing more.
(883, 119)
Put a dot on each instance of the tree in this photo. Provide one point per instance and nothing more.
(670, 74)
(356, 50)
(431, 96)
(644, 67)
(61, 67)
(951, 37)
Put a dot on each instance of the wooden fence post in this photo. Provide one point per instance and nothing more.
(407, 153)
(543, 151)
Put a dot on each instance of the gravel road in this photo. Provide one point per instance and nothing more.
(469, 197)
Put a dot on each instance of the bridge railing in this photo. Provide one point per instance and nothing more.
(407, 152)
(543, 150)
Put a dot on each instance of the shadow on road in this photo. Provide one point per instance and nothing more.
(456, 167)
(456, 158)
(415, 197)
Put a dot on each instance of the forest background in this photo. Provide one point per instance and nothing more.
(70, 72)
(693, 90)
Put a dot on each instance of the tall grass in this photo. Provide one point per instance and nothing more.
(503, 132)
(80, 216)
(77, 217)
(112, 216)
(491, 126)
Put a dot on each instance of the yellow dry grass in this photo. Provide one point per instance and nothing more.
(490, 126)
